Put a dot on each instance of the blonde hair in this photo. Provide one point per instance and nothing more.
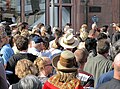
(25, 33)
(66, 77)
(65, 80)
(83, 35)
(25, 67)
(40, 62)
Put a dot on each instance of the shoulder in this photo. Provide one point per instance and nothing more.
(6, 49)
(106, 85)
(105, 77)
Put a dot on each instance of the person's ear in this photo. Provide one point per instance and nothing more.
(113, 65)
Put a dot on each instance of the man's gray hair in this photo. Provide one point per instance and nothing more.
(30, 82)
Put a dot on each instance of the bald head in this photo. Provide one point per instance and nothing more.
(81, 55)
(117, 60)
(116, 65)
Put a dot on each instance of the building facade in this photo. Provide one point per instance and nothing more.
(76, 12)
(82, 11)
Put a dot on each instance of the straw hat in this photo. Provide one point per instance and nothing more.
(68, 41)
(65, 62)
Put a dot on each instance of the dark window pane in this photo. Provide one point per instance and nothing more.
(94, 9)
(66, 1)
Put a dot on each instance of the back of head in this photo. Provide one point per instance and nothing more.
(46, 42)
(25, 33)
(48, 29)
(30, 82)
(84, 26)
(116, 63)
(90, 43)
(57, 32)
(22, 43)
(104, 28)
(102, 36)
(103, 46)
(25, 67)
(81, 55)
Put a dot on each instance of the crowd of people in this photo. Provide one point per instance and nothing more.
(54, 58)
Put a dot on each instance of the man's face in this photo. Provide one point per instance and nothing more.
(39, 46)
(48, 67)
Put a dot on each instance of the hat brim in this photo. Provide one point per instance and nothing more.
(55, 63)
(75, 44)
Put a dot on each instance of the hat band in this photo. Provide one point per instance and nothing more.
(67, 63)
(68, 43)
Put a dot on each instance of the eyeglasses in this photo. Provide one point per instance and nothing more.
(48, 65)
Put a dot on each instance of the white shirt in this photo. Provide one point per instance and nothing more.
(34, 51)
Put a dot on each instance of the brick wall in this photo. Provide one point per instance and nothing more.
(110, 12)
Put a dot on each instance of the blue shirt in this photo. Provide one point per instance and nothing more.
(105, 77)
(7, 52)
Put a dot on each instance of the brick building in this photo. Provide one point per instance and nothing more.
(82, 11)
(76, 12)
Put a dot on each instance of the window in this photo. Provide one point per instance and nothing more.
(28, 2)
(95, 9)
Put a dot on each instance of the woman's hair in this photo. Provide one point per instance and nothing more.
(66, 77)
(25, 67)
(25, 33)
(40, 25)
(30, 82)
(83, 35)
(40, 63)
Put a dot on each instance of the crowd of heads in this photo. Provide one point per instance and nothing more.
(74, 50)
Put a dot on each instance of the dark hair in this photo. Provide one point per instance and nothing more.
(8, 30)
(58, 32)
(90, 45)
(22, 43)
(103, 46)
(24, 24)
(69, 24)
(105, 27)
(46, 42)
(102, 36)
(48, 29)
